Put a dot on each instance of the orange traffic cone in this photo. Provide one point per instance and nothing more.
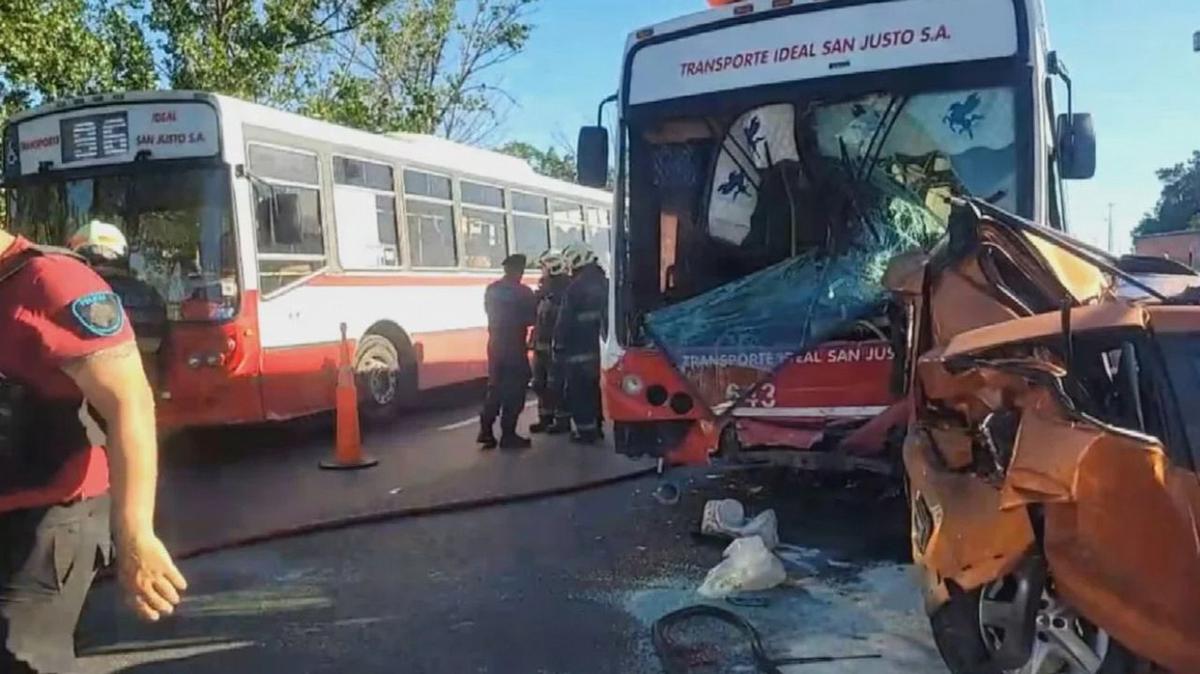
(347, 453)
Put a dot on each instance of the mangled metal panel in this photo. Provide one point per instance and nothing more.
(1071, 407)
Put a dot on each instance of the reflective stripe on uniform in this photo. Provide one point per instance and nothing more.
(586, 428)
(583, 358)
(589, 316)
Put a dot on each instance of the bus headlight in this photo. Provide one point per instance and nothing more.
(632, 384)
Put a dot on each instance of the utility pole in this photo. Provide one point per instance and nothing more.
(1110, 227)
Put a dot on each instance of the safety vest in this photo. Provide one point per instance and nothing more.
(37, 435)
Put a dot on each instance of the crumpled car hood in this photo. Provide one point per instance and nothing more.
(1037, 380)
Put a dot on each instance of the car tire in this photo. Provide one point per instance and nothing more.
(380, 377)
(955, 627)
(956, 634)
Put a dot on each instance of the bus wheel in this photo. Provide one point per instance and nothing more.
(378, 378)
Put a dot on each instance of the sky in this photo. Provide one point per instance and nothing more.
(1133, 69)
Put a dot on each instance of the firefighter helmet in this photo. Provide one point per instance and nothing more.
(579, 255)
(552, 262)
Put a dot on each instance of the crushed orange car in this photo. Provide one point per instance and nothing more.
(1051, 456)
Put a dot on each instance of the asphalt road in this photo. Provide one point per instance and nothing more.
(569, 584)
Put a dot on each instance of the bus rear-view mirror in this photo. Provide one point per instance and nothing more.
(1076, 140)
(591, 159)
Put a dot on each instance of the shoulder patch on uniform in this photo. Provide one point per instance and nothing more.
(100, 314)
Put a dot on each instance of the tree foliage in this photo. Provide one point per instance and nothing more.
(419, 66)
(380, 65)
(1178, 206)
(238, 46)
(546, 162)
(56, 48)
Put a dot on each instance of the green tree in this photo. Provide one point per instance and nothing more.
(239, 47)
(1178, 206)
(380, 65)
(418, 66)
(55, 48)
(546, 162)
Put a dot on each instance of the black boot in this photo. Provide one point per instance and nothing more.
(486, 438)
(560, 426)
(514, 441)
(544, 424)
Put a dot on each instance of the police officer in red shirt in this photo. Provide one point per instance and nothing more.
(66, 352)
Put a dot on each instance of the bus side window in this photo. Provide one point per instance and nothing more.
(531, 225)
(287, 210)
(568, 223)
(364, 211)
(483, 227)
(429, 216)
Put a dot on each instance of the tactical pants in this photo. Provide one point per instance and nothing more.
(548, 385)
(48, 559)
(583, 393)
(505, 398)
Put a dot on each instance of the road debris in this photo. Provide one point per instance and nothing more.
(667, 493)
(727, 517)
(748, 566)
(679, 658)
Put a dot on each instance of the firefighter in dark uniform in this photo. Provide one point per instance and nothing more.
(553, 416)
(511, 310)
(66, 351)
(581, 322)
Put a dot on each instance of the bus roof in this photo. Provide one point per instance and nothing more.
(707, 16)
(423, 149)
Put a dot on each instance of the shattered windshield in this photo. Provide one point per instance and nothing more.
(774, 225)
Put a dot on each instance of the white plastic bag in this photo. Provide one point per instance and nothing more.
(748, 566)
(727, 517)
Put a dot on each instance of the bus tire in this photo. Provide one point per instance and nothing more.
(380, 379)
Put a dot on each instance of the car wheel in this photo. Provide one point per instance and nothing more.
(379, 377)
(972, 629)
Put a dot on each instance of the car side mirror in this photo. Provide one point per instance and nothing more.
(1075, 136)
(591, 159)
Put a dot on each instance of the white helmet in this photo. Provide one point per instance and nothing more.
(579, 255)
(99, 240)
(552, 262)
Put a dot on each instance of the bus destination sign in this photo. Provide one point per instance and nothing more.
(111, 134)
(840, 41)
(94, 136)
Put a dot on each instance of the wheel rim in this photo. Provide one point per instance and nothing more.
(381, 379)
(1064, 643)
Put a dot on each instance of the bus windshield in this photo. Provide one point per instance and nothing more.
(773, 224)
(177, 220)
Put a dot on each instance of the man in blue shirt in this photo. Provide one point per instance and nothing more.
(511, 309)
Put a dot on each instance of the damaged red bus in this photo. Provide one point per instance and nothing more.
(772, 157)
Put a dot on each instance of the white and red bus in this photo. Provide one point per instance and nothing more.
(772, 156)
(263, 231)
